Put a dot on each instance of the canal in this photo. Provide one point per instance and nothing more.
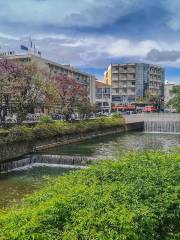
(16, 184)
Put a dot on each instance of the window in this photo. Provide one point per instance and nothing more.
(99, 90)
(106, 90)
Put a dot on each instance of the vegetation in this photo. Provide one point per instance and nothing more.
(25, 87)
(47, 129)
(175, 101)
(135, 197)
(72, 96)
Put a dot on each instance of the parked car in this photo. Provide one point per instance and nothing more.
(33, 117)
(149, 109)
(11, 119)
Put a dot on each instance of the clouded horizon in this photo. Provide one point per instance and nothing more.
(91, 34)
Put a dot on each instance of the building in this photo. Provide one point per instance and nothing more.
(130, 82)
(103, 97)
(56, 68)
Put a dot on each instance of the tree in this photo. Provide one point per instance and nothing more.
(175, 101)
(71, 94)
(9, 75)
(24, 87)
(153, 99)
(85, 108)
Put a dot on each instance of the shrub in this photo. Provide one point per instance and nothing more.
(117, 115)
(20, 134)
(45, 119)
(135, 197)
(45, 131)
(49, 130)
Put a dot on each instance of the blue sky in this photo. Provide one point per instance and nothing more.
(91, 34)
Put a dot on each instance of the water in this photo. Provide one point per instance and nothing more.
(15, 185)
(110, 146)
(162, 126)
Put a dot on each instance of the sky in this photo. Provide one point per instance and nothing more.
(91, 34)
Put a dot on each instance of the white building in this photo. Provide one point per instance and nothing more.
(103, 97)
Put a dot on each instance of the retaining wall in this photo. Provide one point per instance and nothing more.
(16, 150)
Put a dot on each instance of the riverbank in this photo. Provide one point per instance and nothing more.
(23, 140)
(135, 197)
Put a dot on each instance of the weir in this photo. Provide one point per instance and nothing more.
(157, 122)
(37, 159)
(162, 126)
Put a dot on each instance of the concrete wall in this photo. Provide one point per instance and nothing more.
(16, 150)
(12, 151)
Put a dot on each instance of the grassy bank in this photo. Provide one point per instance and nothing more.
(49, 130)
(135, 198)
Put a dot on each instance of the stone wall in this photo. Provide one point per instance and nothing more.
(16, 150)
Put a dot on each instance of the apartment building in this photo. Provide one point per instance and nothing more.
(132, 81)
(55, 68)
(103, 97)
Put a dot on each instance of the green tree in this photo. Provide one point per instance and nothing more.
(175, 101)
(85, 108)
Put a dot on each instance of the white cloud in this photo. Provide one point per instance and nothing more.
(126, 48)
(93, 51)
(7, 36)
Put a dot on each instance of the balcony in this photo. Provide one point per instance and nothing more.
(131, 86)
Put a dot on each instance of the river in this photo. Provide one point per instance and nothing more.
(15, 185)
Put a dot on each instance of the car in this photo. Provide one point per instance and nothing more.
(149, 109)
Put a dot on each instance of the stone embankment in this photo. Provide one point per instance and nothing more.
(13, 151)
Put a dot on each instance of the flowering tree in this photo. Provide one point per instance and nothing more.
(23, 87)
(9, 75)
(71, 94)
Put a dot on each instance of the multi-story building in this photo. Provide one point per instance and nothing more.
(55, 68)
(132, 81)
(103, 97)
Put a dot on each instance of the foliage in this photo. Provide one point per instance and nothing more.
(24, 87)
(85, 108)
(71, 95)
(117, 114)
(47, 129)
(175, 101)
(45, 119)
(135, 197)
(9, 74)
(20, 134)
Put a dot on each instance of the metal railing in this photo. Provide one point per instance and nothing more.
(152, 117)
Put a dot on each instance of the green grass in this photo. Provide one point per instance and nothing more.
(133, 198)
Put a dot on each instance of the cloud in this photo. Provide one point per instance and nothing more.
(173, 6)
(127, 48)
(163, 56)
(60, 14)
(7, 36)
(92, 33)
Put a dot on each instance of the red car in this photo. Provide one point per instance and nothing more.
(149, 109)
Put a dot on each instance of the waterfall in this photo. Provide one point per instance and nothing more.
(162, 126)
(48, 160)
